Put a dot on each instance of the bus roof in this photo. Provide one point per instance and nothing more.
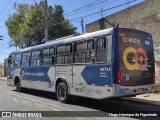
(66, 40)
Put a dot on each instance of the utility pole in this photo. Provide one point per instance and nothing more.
(82, 26)
(1, 37)
(46, 21)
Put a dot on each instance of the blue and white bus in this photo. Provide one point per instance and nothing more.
(107, 63)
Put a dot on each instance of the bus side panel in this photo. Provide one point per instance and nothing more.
(94, 81)
(10, 77)
(26, 76)
(48, 78)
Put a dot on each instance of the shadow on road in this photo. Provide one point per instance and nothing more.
(107, 105)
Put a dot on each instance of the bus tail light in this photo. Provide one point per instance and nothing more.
(120, 78)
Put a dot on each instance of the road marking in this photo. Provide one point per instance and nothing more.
(47, 106)
(42, 103)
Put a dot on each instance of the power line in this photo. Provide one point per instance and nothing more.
(5, 6)
(104, 10)
(7, 12)
(57, 22)
(85, 8)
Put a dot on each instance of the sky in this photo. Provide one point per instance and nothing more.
(107, 6)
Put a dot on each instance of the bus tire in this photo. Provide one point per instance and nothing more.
(18, 85)
(62, 92)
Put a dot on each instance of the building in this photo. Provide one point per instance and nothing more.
(143, 16)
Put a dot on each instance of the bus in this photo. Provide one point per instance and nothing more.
(113, 62)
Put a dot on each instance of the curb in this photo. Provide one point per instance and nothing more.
(2, 80)
(142, 101)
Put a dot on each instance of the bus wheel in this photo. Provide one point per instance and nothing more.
(18, 86)
(62, 92)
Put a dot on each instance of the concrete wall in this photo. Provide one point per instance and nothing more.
(144, 16)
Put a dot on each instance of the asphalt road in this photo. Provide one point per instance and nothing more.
(33, 100)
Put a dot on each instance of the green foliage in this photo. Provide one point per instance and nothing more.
(26, 26)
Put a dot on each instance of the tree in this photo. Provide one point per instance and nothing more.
(26, 26)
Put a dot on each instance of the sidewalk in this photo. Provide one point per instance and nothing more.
(149, 98)
(3, 78)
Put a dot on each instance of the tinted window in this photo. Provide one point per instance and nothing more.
(26, 59)
(48, 56)
(84, 52)
(17, 60)
(101, 50)
(36, 58)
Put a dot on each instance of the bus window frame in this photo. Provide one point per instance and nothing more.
(106, 38)
(19, 64)
(40, 50)
(64, 54)
(53, 57)
(29, 61)
(85, 51)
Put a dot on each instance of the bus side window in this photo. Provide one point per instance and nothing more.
(80, 48)
(90, 51)
(36, 58)
(68, 54)
(11, 61)
(101, 50)
(60, 54)
(17, 61)
(25, 59)
(52, 55)
(46, 57)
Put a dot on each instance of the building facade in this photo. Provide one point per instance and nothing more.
(143, 16)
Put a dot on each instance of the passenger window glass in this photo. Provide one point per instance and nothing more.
(26, 59)
(101, 50)
(60, 50)
(36, 58)
(17, 61)
(68, 54)
(60, 54)
(47, 60)
(84, 52)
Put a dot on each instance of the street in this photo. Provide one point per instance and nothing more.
(33, 100)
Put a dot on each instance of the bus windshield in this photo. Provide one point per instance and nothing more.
(136, 57)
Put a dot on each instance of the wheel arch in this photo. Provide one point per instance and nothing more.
(59, 80)
(16, 80)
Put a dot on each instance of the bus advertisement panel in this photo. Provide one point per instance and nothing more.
(136, 57)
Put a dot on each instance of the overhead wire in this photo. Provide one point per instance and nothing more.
(7, 12)
(5, 6)
(51, 23)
